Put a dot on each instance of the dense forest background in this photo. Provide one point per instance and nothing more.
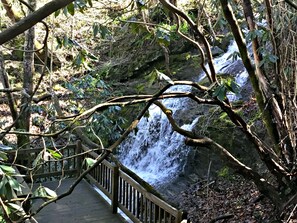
(89, 70)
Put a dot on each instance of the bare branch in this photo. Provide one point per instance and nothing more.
(196, 30)
(265, 187)
(32, 19)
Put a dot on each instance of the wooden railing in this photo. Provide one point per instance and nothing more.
(123, 191)
(51, 169)
(128, 195)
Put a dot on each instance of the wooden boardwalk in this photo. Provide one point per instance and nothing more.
(83, 205)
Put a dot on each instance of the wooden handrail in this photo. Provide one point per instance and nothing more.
(123, 191)
(39, 149)
(127, 194)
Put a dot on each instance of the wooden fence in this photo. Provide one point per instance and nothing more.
(123, 191)
(51, 169)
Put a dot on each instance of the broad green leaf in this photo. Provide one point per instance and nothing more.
(39, 192)
(15, 185)
(3, 183)
(90, 162)
(5, 188)
(38, 159)
(95, 29)
(44, 192)
(140, 87)
(16, 208)
(104, 31)
(70, 9)
(5, 147)
(50, 193)
(3, 156)
(7, 169)
(55, 154)
(151, 78)
(90, 3)
(57, 13)
(220, 92)
(235, 87)
(65, 11)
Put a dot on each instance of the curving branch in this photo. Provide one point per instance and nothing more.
(99, 159)
(264, 186)
(194, 140)
(197, 32)
(195, 43)
(29, 21)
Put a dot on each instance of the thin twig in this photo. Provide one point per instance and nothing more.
(291, 214)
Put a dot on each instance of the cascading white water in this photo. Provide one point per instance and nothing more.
(155, 152)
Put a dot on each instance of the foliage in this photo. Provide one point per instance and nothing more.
(226, 85)
(10, 188)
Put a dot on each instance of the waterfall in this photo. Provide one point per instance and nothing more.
(154, 151)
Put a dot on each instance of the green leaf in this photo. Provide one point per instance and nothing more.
(220, 92)
(235, 87)
(50, 193)
(57, 12)
(38, 159)
(7, 169)
(90, 3)
(95, 29)
(39, 192)
(163, 36)
(44, 192)
(140, 87)
(3, 156)
(5, 188)
(14, 184)
(65, 11)
(70, 8)
(17, 209)
(55, 154)
(90, 162)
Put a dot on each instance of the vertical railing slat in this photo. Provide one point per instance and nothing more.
(79, 161)
(115, 189)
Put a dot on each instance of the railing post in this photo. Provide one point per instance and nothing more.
(179, 217)
(78, 150)
(115, 189)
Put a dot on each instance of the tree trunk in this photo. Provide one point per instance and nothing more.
(25, 110)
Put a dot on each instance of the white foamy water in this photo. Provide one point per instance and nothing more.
(154, 151)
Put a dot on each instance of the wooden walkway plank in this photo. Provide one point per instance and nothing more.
(83, 205)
